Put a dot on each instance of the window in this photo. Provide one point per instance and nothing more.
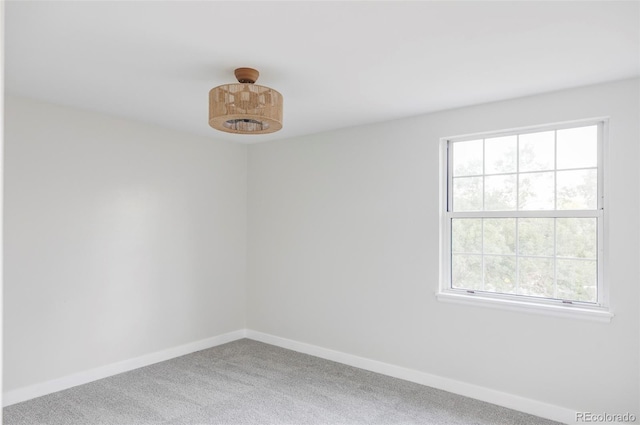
(523, 217)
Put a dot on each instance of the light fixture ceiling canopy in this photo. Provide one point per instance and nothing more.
(245, 107)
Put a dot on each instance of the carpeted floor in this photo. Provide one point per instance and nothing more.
(248, 382)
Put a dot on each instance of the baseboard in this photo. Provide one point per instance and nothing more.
(510, 401)
(44, 388)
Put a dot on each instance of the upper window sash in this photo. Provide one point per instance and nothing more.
(450, 152)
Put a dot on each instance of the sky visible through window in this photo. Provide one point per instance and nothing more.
(536, 171)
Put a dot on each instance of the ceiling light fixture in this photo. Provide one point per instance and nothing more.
(245, 107)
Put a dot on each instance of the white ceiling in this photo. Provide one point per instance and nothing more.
(338, 64)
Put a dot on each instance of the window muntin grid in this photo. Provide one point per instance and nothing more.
(550, 175)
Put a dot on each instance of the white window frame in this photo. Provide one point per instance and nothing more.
(598, 311)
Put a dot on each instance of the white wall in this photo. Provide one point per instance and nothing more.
(343, 254)
(122, 239)
(1, 196)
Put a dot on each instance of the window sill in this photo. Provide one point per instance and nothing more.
(566, 311)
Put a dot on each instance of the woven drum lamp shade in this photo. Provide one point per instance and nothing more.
(245, 107)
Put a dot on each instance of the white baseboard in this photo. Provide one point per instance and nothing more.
(48, 387)
(534, 407)
(510, 401)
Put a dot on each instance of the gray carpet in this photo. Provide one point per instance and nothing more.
(248, 382)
